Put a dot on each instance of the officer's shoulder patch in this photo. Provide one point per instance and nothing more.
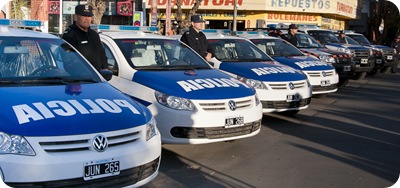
(187, 33)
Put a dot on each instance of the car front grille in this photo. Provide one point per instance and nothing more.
(361, 53)
(223, 105)
(284, 104)
(84, 144)
(320, 73)
(285, 86)
(324, 88)
(215, 132)
(125, 178)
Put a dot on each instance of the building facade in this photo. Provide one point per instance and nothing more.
(332, 14)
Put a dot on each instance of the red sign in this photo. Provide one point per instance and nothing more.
(54, 7)
(124, 8)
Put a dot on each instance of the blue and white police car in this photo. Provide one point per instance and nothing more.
(280, 88)
(192, 102)
(322, 76)
(62, 124)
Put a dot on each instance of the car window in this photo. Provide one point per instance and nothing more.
(23, 58)
(237, 50)
(325, 37)
(276, 48)
(153, 53)
(360, 39)
(306, 41)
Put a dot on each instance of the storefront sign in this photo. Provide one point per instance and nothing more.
(69, 7)
(303, 4)
(292, 17)
(124, 8)
(54, 7)
(341, 7)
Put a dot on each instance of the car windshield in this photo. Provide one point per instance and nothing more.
(306, 41)
(237, 50)
(324, 37)
(277, 47)
(42, 61)
(360, 39)
(352, 41)
(160, 54)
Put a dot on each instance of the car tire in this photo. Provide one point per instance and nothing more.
(386, 69)
(343, 82)
(359, 75)
(374, 72)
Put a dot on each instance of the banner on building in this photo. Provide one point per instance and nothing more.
(125, 8)
(54, 7)
(69, 7)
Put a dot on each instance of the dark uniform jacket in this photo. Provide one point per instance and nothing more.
(88, 44)
(197, 41)
(290, 38)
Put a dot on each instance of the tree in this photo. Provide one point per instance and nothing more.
(99, 7)
(19, 9)
(184, 24)
(386, 12)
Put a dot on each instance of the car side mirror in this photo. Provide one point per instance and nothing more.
(107, 74)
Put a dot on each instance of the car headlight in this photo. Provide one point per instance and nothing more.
(15, 144)
(173, 102)
(327, 59)
(346, 50)
(256, 84)
(371, 52)
(257, 100)
(394, 51)
(151, 129)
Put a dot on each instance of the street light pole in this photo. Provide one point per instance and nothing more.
(234, 16)
(144, 12)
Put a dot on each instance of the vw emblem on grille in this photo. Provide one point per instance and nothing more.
(291, 85)
(232, 105)
(100, 143)
(323, 73)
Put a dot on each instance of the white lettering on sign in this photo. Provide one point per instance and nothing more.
(314, 4)
(273, 70)
(341, 7)
(203, 3)
(39, 111)
(209, 83)
(305, 64)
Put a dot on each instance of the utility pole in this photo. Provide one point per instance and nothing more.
(234, 16)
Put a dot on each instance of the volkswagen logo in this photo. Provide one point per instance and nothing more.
(232, 105)
(100, 143)
(291, 85)
(323, 73)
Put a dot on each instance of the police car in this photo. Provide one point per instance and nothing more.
(62, 124)
(386, 62)
(342, 61)
(280, 88)
(322, 76)
(362, 56)
(192, 102)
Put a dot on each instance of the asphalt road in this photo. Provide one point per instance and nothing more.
(350, 138)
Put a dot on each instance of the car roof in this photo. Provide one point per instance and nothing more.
(133, 34)
(15, 32)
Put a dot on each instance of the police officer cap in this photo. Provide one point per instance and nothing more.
(293, 26)
(196, 18)
(84, 10)
(340, 32)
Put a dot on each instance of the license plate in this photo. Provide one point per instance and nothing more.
(364, 61)
(292, 98)
(389, 57)
(378, 61)
(325, 83)
(347, 68)
(101, 169)
(234, 121)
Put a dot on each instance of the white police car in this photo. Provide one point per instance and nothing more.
(322, 76)
(64, 125)
(192, 102)
(280, 88)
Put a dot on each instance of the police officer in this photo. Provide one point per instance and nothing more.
(290, 37)
(196, 39)
(396, 45)
(341, 37)
(84, 39)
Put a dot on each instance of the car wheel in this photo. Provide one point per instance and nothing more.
(374, 72)
(343, 82)
(386, 69)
